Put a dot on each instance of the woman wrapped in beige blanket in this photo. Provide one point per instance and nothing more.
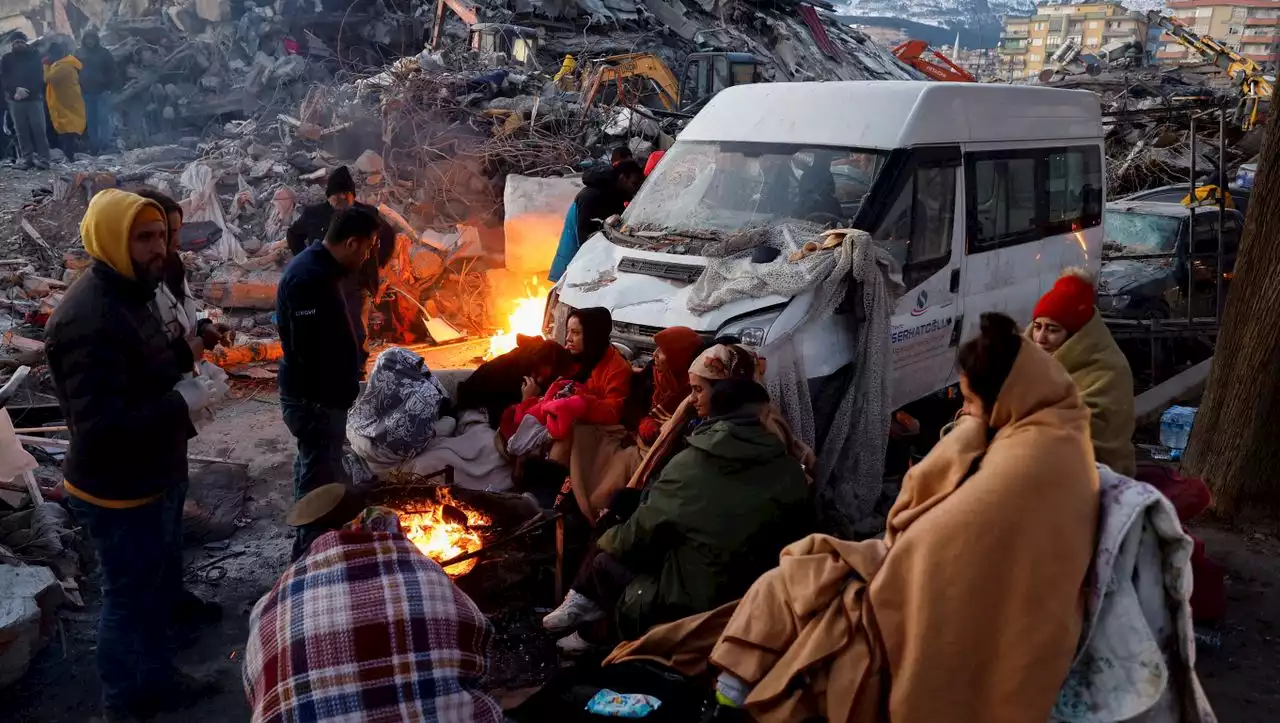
(969, 610)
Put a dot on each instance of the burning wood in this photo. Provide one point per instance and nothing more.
(445, 528)
(525, 318)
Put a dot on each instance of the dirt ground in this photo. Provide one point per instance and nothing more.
(1239, 659)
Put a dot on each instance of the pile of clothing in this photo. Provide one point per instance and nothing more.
(399, 424)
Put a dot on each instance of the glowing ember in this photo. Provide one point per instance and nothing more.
(525, 318)
(437, 530)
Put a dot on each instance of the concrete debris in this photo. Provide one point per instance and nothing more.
(29, 600)
(1147, 115)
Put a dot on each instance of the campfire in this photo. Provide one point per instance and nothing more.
(525, 318)
(446, 528)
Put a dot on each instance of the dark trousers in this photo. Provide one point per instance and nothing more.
(320, 432)
(602, 578)
(70, 144)
(29, 124)
(140, 554)
(357, 302)
(97, 108)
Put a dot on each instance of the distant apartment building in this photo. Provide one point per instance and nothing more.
(1027, 43)
(1246, 26)
(1013, 47)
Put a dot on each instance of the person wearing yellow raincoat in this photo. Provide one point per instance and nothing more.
(66, 103)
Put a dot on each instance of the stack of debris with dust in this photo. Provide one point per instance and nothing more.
(1147, 119)
(432, 138)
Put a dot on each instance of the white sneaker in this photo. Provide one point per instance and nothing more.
(576, 610)
(574, 645)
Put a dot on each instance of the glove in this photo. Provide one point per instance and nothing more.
(21, 94)
(216, 373)
(205, 390)
(197, 392)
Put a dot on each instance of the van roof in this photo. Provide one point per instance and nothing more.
(889, 114)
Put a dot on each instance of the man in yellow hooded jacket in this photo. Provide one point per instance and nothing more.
(66, 102)
(119, 381)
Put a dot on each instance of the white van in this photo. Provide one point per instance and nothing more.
(983, 193)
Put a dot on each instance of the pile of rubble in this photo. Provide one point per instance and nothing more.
(1147, 117)
(255, 107)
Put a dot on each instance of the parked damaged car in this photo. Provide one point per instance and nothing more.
(1148, 252)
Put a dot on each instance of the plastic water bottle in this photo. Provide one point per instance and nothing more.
(1175, 427)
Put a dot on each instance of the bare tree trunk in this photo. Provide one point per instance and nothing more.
(1235, 444)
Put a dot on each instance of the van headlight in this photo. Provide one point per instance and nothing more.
(751, 330)
(553, 314)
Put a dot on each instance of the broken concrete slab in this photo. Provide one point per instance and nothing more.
(29, 599)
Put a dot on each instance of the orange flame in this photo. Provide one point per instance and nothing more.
(441, 538)
(525, 318)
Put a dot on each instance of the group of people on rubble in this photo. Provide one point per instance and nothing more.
(57, 99)
(693, 490)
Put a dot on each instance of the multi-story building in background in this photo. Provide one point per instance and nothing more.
(1248, 27)
(1034, 40)
(1013, 47)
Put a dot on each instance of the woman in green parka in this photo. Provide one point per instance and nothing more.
(715, 519)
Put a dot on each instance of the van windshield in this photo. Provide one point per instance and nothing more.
(705, 190)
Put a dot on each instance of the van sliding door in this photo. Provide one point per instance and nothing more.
(1030, 213)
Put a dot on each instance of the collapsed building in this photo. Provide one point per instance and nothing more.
(242, 109)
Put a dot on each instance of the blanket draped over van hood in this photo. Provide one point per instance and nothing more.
(971, 605)
(1101, 372)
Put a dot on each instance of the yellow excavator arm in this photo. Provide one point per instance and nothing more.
(618, 69)
(1255, 89)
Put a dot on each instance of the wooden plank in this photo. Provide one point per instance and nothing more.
(1181, 387)
(34, 234)
(66, 444)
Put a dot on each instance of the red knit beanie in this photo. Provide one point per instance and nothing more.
(1069, 302)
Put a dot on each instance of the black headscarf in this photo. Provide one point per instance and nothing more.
(597, 325)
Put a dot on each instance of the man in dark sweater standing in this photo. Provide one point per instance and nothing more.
(98, 80)
(22, 75)
(312, 225)
(320, 372)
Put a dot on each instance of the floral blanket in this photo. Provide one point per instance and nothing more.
(1136, 661)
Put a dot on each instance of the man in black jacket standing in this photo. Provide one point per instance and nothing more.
(119, 381)
(98, 80)
(22, 75)
(312, 225)
(320, 372)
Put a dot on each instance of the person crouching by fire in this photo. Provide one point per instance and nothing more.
(365, 627)
(358, 289)
(320, 372)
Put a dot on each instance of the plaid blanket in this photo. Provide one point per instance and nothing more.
(366, 629)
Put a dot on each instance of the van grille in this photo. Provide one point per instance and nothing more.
(684, 273)
(639, 337)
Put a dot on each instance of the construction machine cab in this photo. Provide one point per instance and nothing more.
(518, 43)
(706, 74)
(643, 79)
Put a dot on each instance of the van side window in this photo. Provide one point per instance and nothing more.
(1074, 185)
(917, 229)
(1004, 200)
(1024, 195)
